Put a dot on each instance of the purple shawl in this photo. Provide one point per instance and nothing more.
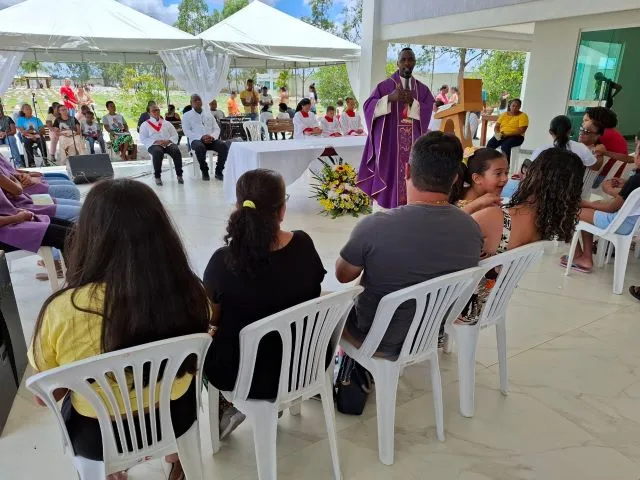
(36, 188)
(26, 235)
(378, 173)
(24, 200)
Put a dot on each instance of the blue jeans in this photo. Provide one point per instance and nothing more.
(63, 189)
(15, 152)
(57, 175)
(92, 144)
(67, 209)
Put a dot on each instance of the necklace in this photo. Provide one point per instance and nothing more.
(434, 202)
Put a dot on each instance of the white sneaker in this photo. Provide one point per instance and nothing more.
(231, 418)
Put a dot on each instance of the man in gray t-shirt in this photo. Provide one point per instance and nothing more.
(407, 245)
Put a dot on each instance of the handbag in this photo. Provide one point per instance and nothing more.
(352, 386)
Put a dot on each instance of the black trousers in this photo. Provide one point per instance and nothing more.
(84, 432)
(28, 149)
(219, 146)
(54, 236)
(157, 154)
(506, 144)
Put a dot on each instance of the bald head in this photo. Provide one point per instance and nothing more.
(406, 62)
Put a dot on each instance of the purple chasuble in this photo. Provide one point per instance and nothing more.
(391, 136)
(26, 235)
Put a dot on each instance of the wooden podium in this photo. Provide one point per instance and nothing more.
(454, 118)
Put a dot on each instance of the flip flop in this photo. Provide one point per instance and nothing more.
(635, 292)
(574, 266)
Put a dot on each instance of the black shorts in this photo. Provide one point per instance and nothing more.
(84, 432)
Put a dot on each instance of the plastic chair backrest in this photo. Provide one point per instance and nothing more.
(513, 264)
(254, 130)
(436, 299)
(587, 182)
(162, 358)
(630, 207)
(306, 331)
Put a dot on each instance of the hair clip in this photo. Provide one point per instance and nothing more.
(249, 204)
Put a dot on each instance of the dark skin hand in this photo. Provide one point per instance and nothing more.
(406, 64)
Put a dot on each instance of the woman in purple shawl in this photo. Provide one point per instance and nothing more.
(397, 114)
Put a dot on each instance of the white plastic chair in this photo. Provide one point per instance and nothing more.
(513, 265)
(115, 366)
(318, 325)
(621, 243)
(255, 130)
(587, 183)
(435, 300)
(46, 254)
(196, 166)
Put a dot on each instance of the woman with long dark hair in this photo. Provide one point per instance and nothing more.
(128, 283)
(480, 180)
(304, 121)
(545, 207)
(260, 271)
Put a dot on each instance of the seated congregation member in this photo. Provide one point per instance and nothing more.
(52, 114)
(144, 116)
(32, 130)
(480, 181)
(8, 136)
(113, 258)
(174, 117)
(262, 270)
(202, 130)
(350, 120)
(545, 207)
(510, 128)
(410, 244)
(215, 111)
(283, 112)
(434, 123)
(92, 133)
(118, 130)
(304, 121)
(560, 131)
(160, 137)
(614, 185)
(601, 213)
(82, 114)
(70, 136)
(612, 143)
(330, 124)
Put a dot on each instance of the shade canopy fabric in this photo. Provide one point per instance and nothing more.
(262, 36)
(81, 31)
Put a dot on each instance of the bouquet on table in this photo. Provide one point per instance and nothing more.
(336, 190)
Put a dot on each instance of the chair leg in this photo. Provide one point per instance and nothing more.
(330, 419)
(296, 409)
(467, 341)
(214, 421)
(623, 245)
(436, 385)
(386, 381)
(89, 469)
(501, 337)
(572, 251)
(190, 453)
(47, 257)
(604, 250)
(265, 429)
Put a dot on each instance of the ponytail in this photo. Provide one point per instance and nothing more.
(457, 189)
(302, 103)
(478, 163)
(560, 128)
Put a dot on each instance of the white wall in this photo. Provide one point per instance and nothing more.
(551, 64)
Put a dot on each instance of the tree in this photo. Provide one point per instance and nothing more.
(390, 68)
(193, 16)
(333, 83)
(137, 89)
(112, 73)
(464, 56)
(33, 67)
(320, 15)
(283, 79)
(80, 72)
(502, 71)
(230, 7)
(352, 24)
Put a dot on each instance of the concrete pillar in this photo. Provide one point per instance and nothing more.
(373, 58)
(548, 76)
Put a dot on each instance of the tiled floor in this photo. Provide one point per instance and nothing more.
(573, 410)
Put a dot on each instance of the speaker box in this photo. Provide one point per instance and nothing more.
(89, 168)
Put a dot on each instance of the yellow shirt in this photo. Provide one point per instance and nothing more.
(511, 124)
(249, 96)
(68, 335)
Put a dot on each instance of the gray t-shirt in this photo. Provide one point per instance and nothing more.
(5, 123)
(402, 247)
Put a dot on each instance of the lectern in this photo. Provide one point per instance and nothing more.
(455, 117)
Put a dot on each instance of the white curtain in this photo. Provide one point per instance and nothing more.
(9, 63)
(353, 71)
(197, 71)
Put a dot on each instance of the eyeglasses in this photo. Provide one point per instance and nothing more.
(587, 132)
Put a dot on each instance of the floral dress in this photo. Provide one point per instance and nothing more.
(472, 312)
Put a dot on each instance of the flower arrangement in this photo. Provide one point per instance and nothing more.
(336, 190)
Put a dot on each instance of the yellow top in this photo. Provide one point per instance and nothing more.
(511, 124)
(249, 96)
(69, 334)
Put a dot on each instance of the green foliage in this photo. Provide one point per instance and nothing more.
(352, 23)
(230, 7)
(320, 15)
(112, 73)
(193, 16)
(332, 83)
(465, 57)
(80, 72)
(502, 71)
(283, 79)
(33, 67)
(390, 68)
(137, 90)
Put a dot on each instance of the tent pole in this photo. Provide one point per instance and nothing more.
(166, 83)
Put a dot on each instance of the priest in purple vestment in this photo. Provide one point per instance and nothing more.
(397, 114)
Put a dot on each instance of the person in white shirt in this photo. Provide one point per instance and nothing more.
(217, 114)
(92, 132)
(160, 137)
(304, 121)
(330, 124)
(434, 123)
(350, 120)
(203, 132)
(283, 113)
(265, 99)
